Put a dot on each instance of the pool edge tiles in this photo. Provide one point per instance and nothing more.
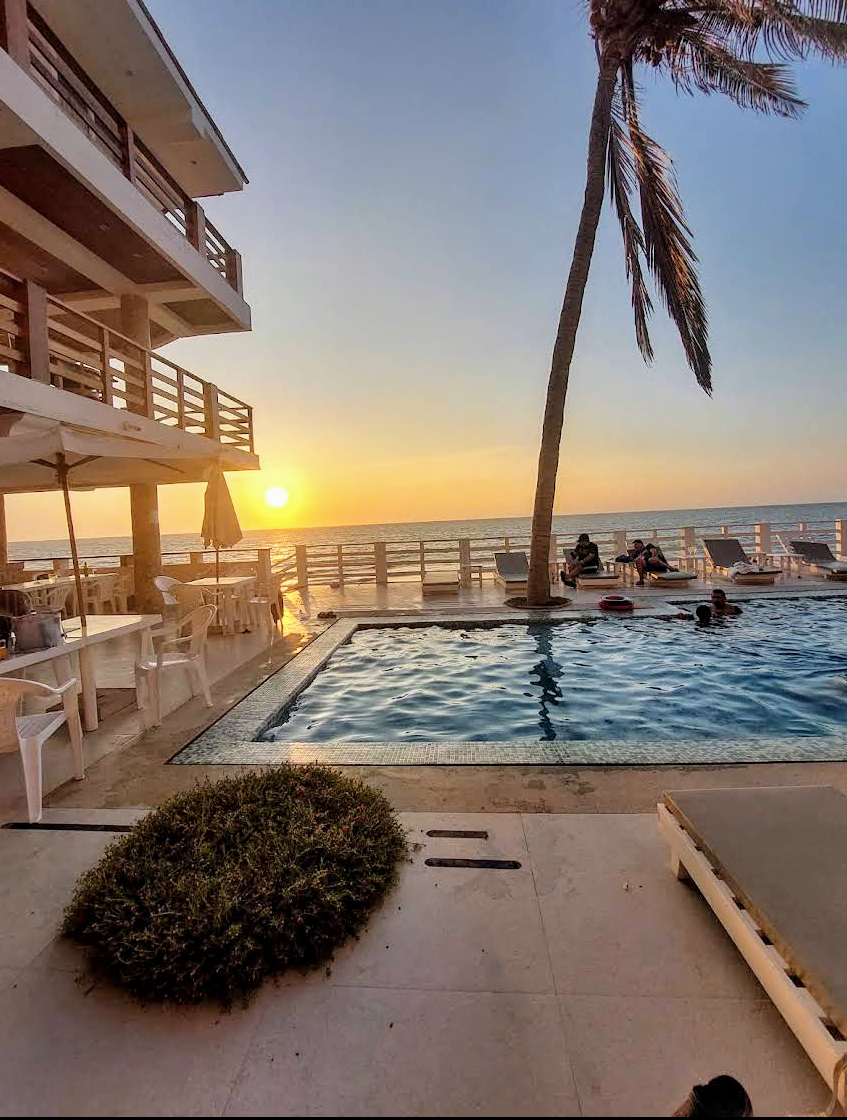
(522, 752)
(233, 739)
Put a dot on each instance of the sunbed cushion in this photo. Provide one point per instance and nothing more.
(512, 567)
(783, 852)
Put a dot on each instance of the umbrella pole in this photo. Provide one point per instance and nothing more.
(62, 471)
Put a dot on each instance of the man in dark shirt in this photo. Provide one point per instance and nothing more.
(651, 559)
(583, 560)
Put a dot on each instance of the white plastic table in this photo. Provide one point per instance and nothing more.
(78, 641)
(227, 588)
(64, 581)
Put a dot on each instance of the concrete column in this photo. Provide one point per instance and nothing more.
(465, 561)
(4, 540)
(143, 496)
(146, 546)
(263, 570)
(135, 319)
(841, 539)
(302, 566)
(687, 541)
(380, 562)
(763, 539)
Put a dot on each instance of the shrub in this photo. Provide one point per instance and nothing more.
(236, 881)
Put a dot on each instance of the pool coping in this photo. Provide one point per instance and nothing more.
(233, 739)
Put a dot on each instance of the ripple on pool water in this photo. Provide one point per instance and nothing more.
(778, 669)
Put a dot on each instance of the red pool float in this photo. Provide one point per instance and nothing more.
(615, 603)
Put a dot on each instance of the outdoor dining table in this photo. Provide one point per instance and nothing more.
(65, 581)
(228, 589)
(98, 628)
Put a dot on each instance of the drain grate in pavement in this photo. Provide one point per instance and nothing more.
(48, 827)
(497, 864)
(457, 834)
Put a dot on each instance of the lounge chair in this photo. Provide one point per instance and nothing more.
(726, 552)
(679, 578)
(589, 581)
(440, 583)
(511, 571)
(770, 863)
(819, 556)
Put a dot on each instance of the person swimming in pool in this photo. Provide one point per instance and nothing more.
(721, 605)
(582, 560)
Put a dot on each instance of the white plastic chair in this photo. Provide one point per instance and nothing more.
(28, 734)
(50, 598)
(165, 584)
(261, 607)
(101, 593)
(183, 652)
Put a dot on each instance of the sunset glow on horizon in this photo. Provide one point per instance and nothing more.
(416, 178)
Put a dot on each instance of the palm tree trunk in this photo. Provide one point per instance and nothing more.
(538, 585)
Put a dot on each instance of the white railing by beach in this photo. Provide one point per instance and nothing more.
(384, 562)
(297, 567)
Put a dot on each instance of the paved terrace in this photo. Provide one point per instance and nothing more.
(588, 982)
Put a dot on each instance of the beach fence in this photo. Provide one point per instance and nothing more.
(384, 562)
(298, 567)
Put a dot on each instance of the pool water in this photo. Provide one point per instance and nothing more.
(778, 669)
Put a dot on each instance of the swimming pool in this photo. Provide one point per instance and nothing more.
(778, 670)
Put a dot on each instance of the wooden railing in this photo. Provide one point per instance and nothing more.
(43, 338)
(296, 567)
(35, 47)
(383, 562)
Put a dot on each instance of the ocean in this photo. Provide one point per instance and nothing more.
(280, 541)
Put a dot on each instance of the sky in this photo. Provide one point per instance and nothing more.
(416, 171)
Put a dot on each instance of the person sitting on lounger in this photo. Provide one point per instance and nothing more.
(632, 553)
(651, 559)
(584, 560)
(722, 605)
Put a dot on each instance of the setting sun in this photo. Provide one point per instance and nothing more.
(276, 497)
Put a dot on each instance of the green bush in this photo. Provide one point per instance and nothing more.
(235, 881)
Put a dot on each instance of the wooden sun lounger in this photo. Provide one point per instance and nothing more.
(818, 556)
(599, 579)
(679, 579)
(772, 864)
(726, 551)
(511, 571)
(440, 583)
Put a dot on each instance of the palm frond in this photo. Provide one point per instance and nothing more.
(784, 29)
(667, 240)
(766, 87)
(621, 172)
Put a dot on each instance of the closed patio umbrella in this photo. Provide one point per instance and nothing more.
(220, 521)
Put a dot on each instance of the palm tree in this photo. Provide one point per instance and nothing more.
(739, 48)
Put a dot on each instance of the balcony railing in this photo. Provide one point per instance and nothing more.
(43, 338)
(34, 47)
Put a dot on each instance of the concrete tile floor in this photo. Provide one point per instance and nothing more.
(587, 1005)
(406, 595)
(114, 668)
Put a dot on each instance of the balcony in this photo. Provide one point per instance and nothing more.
(46, 340)
(30, 42)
